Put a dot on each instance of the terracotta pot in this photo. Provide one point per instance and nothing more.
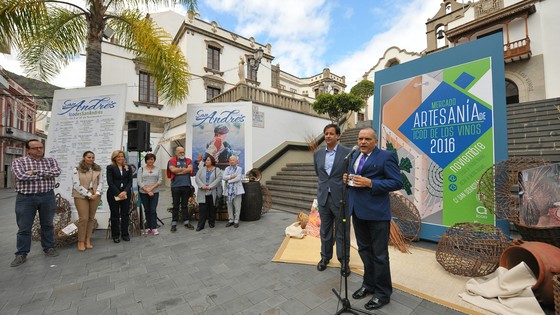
(542, 258)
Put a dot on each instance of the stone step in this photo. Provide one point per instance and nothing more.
(292, 206)
(292, 188)
(288, 183)
(290, 172)
(293, 195)
(294, 179)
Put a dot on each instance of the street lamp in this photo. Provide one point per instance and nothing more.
(256, 61)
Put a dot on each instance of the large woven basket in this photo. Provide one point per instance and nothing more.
(550, 235)
(471, 249)
(556, 287)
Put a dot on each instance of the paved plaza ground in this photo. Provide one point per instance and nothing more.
(214, 271)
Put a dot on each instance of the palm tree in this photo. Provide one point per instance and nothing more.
(50, 33)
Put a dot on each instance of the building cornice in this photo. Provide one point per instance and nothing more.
(522, 8)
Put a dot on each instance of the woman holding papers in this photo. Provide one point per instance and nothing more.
(119, 179)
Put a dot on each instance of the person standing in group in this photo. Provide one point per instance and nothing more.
(119, 179)
(87, 187)
(373, 174)
(233, 174)
(35, 180)
(330, 166)
(209, 182)
(149, 179)
(179, 170)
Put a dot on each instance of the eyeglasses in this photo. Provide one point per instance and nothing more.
(37, 148)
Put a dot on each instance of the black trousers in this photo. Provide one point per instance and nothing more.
(207, 210)
(373, 246)
(119, 215)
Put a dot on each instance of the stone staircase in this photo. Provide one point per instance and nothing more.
(295, 186)
(533, 131)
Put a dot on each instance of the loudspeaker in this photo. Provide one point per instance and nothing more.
(138, 136)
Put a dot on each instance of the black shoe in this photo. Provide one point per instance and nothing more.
(322, 265)
(126, 238)
(229, 224)
(189, 226)
(375, 303)
(20, 259)
(345, 269)
(198, 229)
(173, 228)
(116, 239)
(236, 225)
(211, 225)
(361, 293)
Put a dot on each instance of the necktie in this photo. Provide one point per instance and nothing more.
(361, 163)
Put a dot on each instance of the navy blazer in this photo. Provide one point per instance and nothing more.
(373, 203)
(115, 179)
(333, 181)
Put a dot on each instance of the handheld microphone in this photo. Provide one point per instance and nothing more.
(354, 149)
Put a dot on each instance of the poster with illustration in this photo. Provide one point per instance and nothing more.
(220, 130)
(444, 116)
(540, 196)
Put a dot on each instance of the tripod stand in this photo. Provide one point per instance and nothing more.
(346, 307)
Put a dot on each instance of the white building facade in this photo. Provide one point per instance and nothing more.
(223, 69)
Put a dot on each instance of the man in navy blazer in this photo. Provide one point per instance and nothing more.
(373, 174)
(330, 166)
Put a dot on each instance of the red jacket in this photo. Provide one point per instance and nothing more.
(173, 161)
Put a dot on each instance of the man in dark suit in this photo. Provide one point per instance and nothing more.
(330, 166)
(373, 174)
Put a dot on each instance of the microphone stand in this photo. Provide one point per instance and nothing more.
(346, 307)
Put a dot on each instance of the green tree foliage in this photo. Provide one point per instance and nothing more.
(364, 90)
(337, 105)
(51, 33)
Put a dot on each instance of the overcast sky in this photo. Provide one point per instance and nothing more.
(347, 36)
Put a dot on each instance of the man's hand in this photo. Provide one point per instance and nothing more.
(360, 181)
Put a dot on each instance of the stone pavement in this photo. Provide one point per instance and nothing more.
(214, 271)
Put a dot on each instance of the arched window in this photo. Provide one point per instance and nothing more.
(440, 36)
(512, 92)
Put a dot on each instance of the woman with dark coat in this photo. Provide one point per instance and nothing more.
(119, 180)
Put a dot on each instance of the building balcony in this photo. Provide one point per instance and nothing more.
(246, 93)
(517, 50)
(16, 134)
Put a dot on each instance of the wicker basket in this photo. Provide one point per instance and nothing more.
(471, 249)
(550, 235)
(556, 287)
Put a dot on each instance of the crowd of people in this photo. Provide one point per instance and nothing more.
(36, 179)
(352, 183)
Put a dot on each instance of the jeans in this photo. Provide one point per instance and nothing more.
(26, 207)
(180, 197)
(150, 209)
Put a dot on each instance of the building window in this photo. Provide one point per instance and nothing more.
(30, 124)
(148, 89)
(20, 120)
(213, 58)
(448, 8)
(9, 115)
(211, 93)
(440, 36)
(512, 93)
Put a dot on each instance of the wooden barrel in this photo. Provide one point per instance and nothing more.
(252, 202)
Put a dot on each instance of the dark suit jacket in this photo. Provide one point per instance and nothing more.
(334, 180)
(373, 203)
(115, 179)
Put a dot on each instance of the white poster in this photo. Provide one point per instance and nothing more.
(86, 119)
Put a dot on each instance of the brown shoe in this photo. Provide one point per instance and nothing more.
(88, 244)
(81, 246)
